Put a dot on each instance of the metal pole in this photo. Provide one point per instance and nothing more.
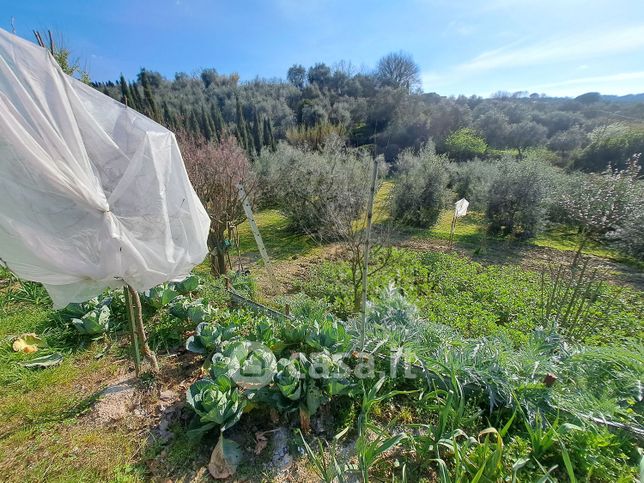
(372, 193)
(258, 237)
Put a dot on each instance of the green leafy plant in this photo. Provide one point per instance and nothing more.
(328, 334)
(328, 468)
(44, 361)
(195, 310)
(217, 402)
(210, 337)
(94, 322)
(160, 296)
(187, 285)
(372, 441)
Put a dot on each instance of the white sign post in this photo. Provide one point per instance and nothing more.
(460, 210)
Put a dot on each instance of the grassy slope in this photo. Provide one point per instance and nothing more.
(282, 244)
(41, 437)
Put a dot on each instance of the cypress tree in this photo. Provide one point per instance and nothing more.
(137, 102)
(168, 117)
(271, 138)
(206, 125)
(250, 146)
(192, 123)
(242, 133)
(266, 138)
(218, 120)
(150, 103)
(257, 134)
(126, 97)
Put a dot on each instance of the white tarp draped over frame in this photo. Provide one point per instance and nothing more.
(92, 194)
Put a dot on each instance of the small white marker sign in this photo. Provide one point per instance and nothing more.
(461, 208)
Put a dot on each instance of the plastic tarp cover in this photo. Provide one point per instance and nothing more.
(92, 193)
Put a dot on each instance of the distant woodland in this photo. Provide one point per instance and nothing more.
(386, 110)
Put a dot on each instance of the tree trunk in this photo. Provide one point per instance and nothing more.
(217, 252)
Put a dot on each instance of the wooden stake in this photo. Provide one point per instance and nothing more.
(140, 329)
(52, 47)
(372, 193)
(133, 335)
(452, 229)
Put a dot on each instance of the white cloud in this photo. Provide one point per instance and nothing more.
(556, 50)
(460, 28)
(620, 84)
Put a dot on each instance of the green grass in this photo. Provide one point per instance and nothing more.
(567, 239)
(41, 436)
(280, 241)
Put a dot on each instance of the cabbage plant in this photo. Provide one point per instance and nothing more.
(94, 322)
(160, 296)
(194, 310)
(217, 402)
(328, 334)
(188, 285)
(210, 337)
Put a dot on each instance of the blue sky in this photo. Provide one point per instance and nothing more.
(558, 47)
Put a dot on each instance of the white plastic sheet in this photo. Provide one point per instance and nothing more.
(92, 193)
(460, 208)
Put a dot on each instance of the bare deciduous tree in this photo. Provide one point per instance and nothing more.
(399, 70)
(215, 170)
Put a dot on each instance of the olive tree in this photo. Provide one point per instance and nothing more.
(421, 191)
(607, 204)
(465, 144)
(518, 197)
(325, 193)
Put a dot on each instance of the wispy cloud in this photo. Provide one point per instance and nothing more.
(460, 28)
(623, 82)
(556, 50)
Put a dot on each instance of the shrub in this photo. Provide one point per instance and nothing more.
(629, 235)
(609, 205)
(517, 198)
(318, 191)
(465, 144)
(611, 144)
(472, 180)
(421, 190)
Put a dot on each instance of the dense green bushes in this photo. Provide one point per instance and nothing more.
(421, 192)
(472, 180)
(614, 144)
(465, 144)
